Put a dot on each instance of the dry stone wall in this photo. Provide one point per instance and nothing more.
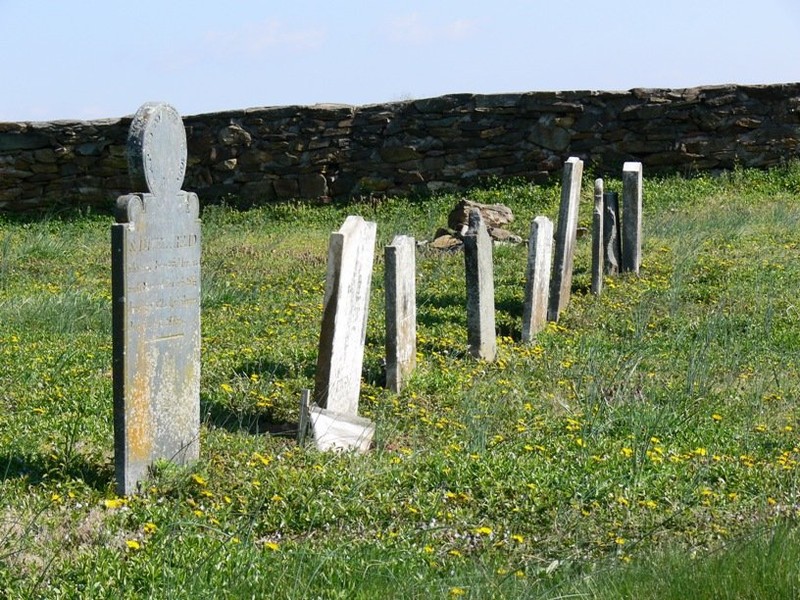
(445, 143)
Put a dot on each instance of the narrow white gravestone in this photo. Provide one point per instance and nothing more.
(481, 335)
(566, 236)
(597, 239)
(155, 281)
(401, 311)
(632, 216)
(337, 382)
(537, 278)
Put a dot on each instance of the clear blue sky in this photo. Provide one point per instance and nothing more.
(87, 59)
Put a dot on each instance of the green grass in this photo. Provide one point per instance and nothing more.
(643, 447)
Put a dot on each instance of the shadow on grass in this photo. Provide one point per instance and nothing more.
(246, 421)
(39, 468)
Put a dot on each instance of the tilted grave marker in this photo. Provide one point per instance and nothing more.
(481, 335)
(337, 382)
(537, 278)
(611, 237)
(632, 216)
(566, 236)
(597, 239)
(401, 311)
(155, 276)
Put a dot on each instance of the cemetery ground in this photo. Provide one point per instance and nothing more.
(646, 445)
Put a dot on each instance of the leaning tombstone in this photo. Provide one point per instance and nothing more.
(632, 216)
(481, 336)
(401, 311)
(566, 236)
(597, 239)
(611, 237)
(155, 280)
(337, 383)
(537, 278)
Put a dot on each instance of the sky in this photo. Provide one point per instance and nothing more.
(88, 59)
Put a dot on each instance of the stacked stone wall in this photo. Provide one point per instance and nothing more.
(418, 146)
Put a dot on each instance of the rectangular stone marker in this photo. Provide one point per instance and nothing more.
(481, 335)
(537, 278)
(155, 280)
(611, 237)
(597, 239)
(632, 216)
(401, 311)
(566, 236)
(337, 381)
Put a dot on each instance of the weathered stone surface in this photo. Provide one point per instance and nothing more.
(481, 335)
(493, 215)
(337, 381)
(632, 216)
(401, 311)
(537, 278)
(611, 238)
(597, 239)
(156, 305)
(337, 431)
(566, 236)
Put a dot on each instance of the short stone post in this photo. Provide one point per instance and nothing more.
(566, 236)
(401, 311)
(597, 239)
(537, 278)
(155, 286)
(481, 335)
(337, 381)
(632, 216)
(611, 237)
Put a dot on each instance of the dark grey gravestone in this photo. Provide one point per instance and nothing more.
(566, 237)
(537, 278)
(401, 311)
(611, 237)
(481, 335)
(632, 216)
(597, 239)
(155, 280)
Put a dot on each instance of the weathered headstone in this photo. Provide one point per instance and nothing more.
(566, 236)
(537, 277)
(337, 380)
(611, 237)
(155, 277)
(481, 335)
(597, 239)
(632, 216)
(401, 311)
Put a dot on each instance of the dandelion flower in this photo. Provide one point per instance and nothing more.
(483, 530)
(133, 545)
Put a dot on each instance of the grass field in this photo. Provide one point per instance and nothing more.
(646, 446)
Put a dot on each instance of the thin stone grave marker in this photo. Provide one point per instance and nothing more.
(566, 236)
(481, 335)
(401, 311)
(537, 278)
(597, 239)
(155, 277)
(632, 216)
(337, 382)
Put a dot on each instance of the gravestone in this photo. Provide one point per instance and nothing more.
(155, 280)
(537, 278)
(632, 216)
(566, 236)
(611, 237)
(401, 311)
(481, 336)
(337, 380)
(597, 239)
